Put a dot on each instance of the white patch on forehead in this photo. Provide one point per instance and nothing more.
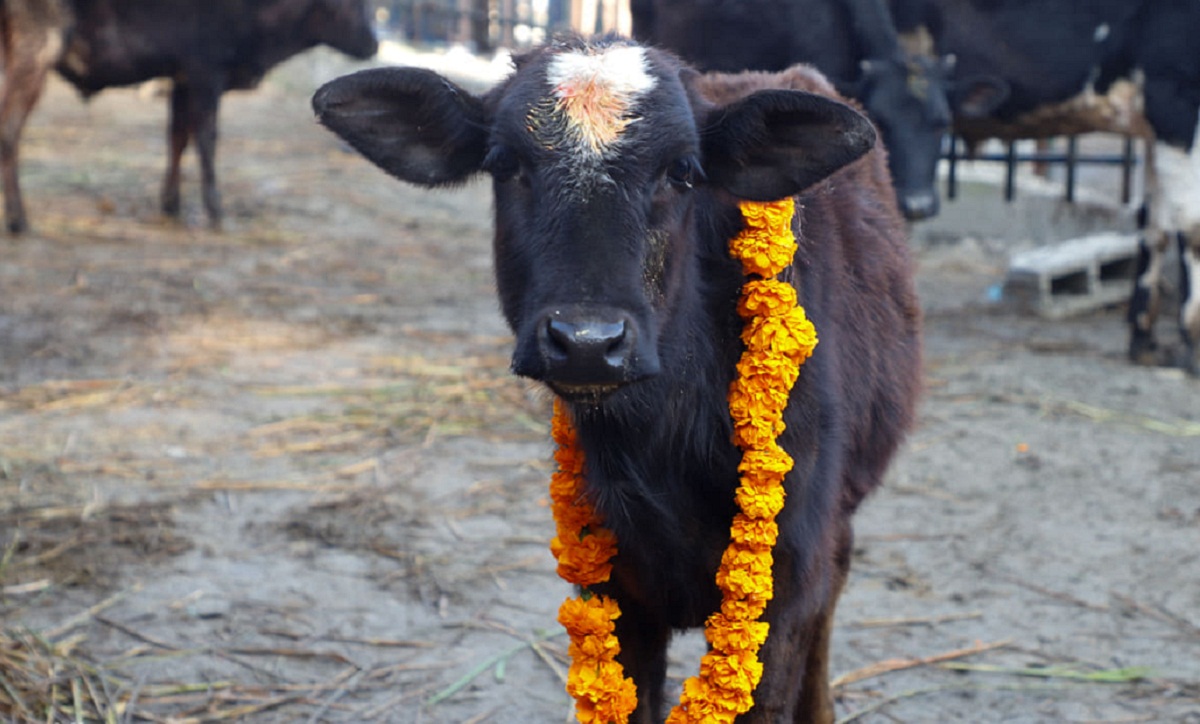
(595, 90)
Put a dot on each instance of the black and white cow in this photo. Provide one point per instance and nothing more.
(1073, 66)
(852, 42)
(617, 173)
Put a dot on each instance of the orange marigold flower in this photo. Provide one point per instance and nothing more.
(767, 245)
(728, 634)
(572, 519)
(753, 399)
(597, 648)
(565, 487)
(779, 214)
(745, 609)
(766, 297)
(586, 562)
(591, 617)
(754, 533)
(701, 703)
(620, 697)
(735, 675)
(760, 254)
(602, 693)
(768, 464)
(760, 503)
(745, 572)
(791, 335)
(570, 461)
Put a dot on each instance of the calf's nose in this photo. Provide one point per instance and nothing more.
(586, 351)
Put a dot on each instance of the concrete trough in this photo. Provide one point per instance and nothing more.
(1074, 276)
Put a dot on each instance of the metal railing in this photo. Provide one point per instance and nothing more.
(1071, 159)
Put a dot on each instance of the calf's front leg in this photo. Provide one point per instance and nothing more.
(643, 656)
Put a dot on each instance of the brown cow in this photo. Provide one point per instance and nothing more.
(205, 46)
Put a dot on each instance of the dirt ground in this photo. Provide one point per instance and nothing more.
(280, 473)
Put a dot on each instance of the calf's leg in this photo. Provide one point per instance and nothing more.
(643, 656)
(795, 683)
(816, 698)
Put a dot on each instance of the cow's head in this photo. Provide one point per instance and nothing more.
(345, 25)
(599, 156)
(906, 96)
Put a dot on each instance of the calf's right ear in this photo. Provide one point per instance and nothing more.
(775, 143)
(411, 122)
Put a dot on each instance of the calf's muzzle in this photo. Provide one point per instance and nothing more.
(591, 351)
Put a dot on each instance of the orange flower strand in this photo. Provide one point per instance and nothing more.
(584, 549)
(778, 338)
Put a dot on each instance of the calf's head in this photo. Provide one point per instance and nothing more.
(600, 155)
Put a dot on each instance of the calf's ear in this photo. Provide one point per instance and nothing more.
(776, 143)
(411, 122)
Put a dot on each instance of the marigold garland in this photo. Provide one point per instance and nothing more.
(778, 338)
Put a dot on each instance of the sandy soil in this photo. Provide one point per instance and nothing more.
(284, 465)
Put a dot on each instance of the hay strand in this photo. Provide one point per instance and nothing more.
(888, 666)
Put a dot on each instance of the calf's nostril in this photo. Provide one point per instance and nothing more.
(559, 338)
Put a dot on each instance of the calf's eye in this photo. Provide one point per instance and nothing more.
(682, 173)
(503, 165)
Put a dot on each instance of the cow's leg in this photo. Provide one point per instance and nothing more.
(643, 656)
(1146, 298)
(207, 101)
(28, 56)
(1189, 298)
(194, 109)
(179, 132)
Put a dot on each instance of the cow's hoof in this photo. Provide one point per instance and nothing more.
(1143, 349)
(171, 206)
(16, 227)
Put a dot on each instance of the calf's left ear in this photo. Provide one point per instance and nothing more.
(776, 143)
(411, 122)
